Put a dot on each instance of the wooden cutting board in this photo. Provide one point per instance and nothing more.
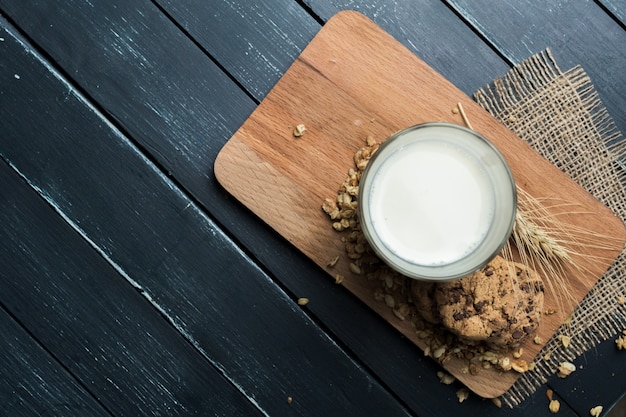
(355, 80)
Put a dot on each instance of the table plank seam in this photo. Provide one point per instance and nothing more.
(473, 26)
(199, 45)
(311, 12)
(59, 363)
(610, 13)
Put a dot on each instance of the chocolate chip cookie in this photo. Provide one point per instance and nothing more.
(500, 304)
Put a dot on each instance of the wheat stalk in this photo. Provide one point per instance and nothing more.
(550, 246)
(542, 243)
(538, 241)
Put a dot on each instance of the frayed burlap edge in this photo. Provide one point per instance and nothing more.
(561, 116)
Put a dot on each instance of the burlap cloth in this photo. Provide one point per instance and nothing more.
(561, 116)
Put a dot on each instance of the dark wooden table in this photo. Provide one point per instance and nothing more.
(132, 284)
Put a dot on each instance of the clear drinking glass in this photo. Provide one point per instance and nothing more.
(437, 201)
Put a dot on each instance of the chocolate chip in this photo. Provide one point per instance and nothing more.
(459, 315)
(517, 335)
(479, 305)
(455, 296)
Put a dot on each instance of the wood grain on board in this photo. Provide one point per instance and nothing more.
(355, 80)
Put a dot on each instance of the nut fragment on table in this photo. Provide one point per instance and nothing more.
(596, 411)
(302, 301)
(554, 406)
(565, 340)
(565, 369)
(462, 394)
(445, 378)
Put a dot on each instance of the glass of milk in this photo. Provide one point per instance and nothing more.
(437, 201)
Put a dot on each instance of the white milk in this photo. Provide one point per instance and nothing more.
(431, 203)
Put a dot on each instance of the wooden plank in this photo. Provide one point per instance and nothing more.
(220, 302)
(33, 383)
(331, 89)
(255, 42)
(431, 31)
(577, 32)
(103, 331)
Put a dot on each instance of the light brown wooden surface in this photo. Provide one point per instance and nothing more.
(354, 80)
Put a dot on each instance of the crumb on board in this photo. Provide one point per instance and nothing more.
(302, 301)
(299, 130)
(333, 262)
